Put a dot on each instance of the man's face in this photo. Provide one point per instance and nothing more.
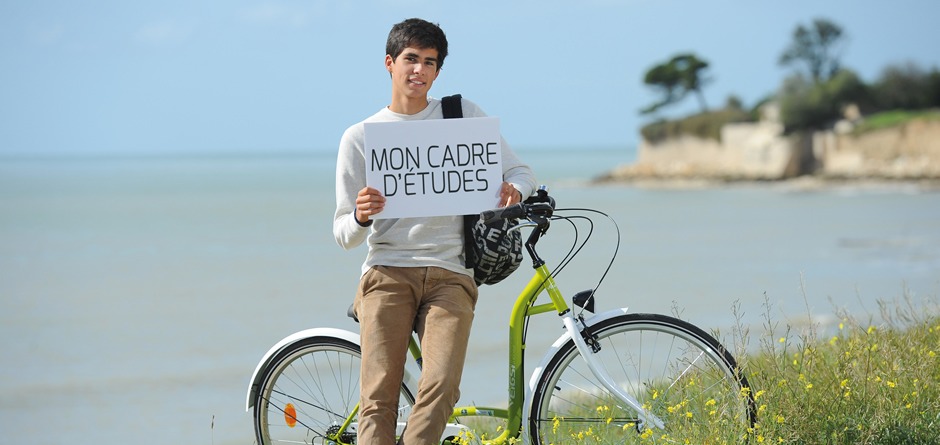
(413, 72)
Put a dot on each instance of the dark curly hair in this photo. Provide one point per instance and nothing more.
(417, 33)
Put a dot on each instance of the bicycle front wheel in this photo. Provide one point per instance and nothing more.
(675, 370)
(309, 394)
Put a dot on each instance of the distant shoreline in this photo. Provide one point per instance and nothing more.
(805, 182)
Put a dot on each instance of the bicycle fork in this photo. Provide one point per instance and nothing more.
(575, 328)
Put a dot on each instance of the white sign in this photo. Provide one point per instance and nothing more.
(434, 167)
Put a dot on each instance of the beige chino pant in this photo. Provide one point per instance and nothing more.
(390, 304)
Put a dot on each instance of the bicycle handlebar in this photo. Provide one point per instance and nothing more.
(514, 211)
(537, 208)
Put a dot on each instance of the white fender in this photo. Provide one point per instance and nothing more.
(286, 341)
(540, 369)
(409, 381)
(452, 429)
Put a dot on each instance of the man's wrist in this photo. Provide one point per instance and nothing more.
(361, 224)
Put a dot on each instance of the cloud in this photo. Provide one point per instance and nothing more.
(164, 33)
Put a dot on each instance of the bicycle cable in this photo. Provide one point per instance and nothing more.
(575, 247)
(572, 253)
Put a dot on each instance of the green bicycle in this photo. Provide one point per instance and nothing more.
(612, 377)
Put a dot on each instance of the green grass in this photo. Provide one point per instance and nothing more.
(703, 125)
(864, 383)
(893, 118)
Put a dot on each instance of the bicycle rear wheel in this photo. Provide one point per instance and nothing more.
(309, 391)
(674, 369)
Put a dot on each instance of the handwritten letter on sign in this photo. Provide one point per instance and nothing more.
(434, 167)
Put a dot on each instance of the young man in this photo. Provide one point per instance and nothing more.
(413, 277)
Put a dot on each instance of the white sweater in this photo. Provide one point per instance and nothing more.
(407, 242)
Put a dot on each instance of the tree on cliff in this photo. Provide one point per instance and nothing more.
(675, 79)
(818, 47)
(805, 105)
(907, 86)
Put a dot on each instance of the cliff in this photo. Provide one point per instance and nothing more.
(760, 151)
(908, 151)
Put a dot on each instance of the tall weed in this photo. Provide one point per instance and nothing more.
(866, 383)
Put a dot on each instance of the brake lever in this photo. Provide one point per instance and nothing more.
(523, 224)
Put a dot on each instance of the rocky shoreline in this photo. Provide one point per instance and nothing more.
(806, 182)
(906, 155)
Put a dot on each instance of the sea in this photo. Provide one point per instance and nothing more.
(137, 294)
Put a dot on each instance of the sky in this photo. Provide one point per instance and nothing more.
(102, 77)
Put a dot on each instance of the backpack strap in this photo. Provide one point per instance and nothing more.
(452, 106)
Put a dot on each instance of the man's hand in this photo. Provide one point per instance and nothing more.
(508, 195)
(369, 202)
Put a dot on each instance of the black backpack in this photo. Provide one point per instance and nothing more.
(492, 250)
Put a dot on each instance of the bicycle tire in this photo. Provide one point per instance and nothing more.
(308, 391)
(674, 369)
